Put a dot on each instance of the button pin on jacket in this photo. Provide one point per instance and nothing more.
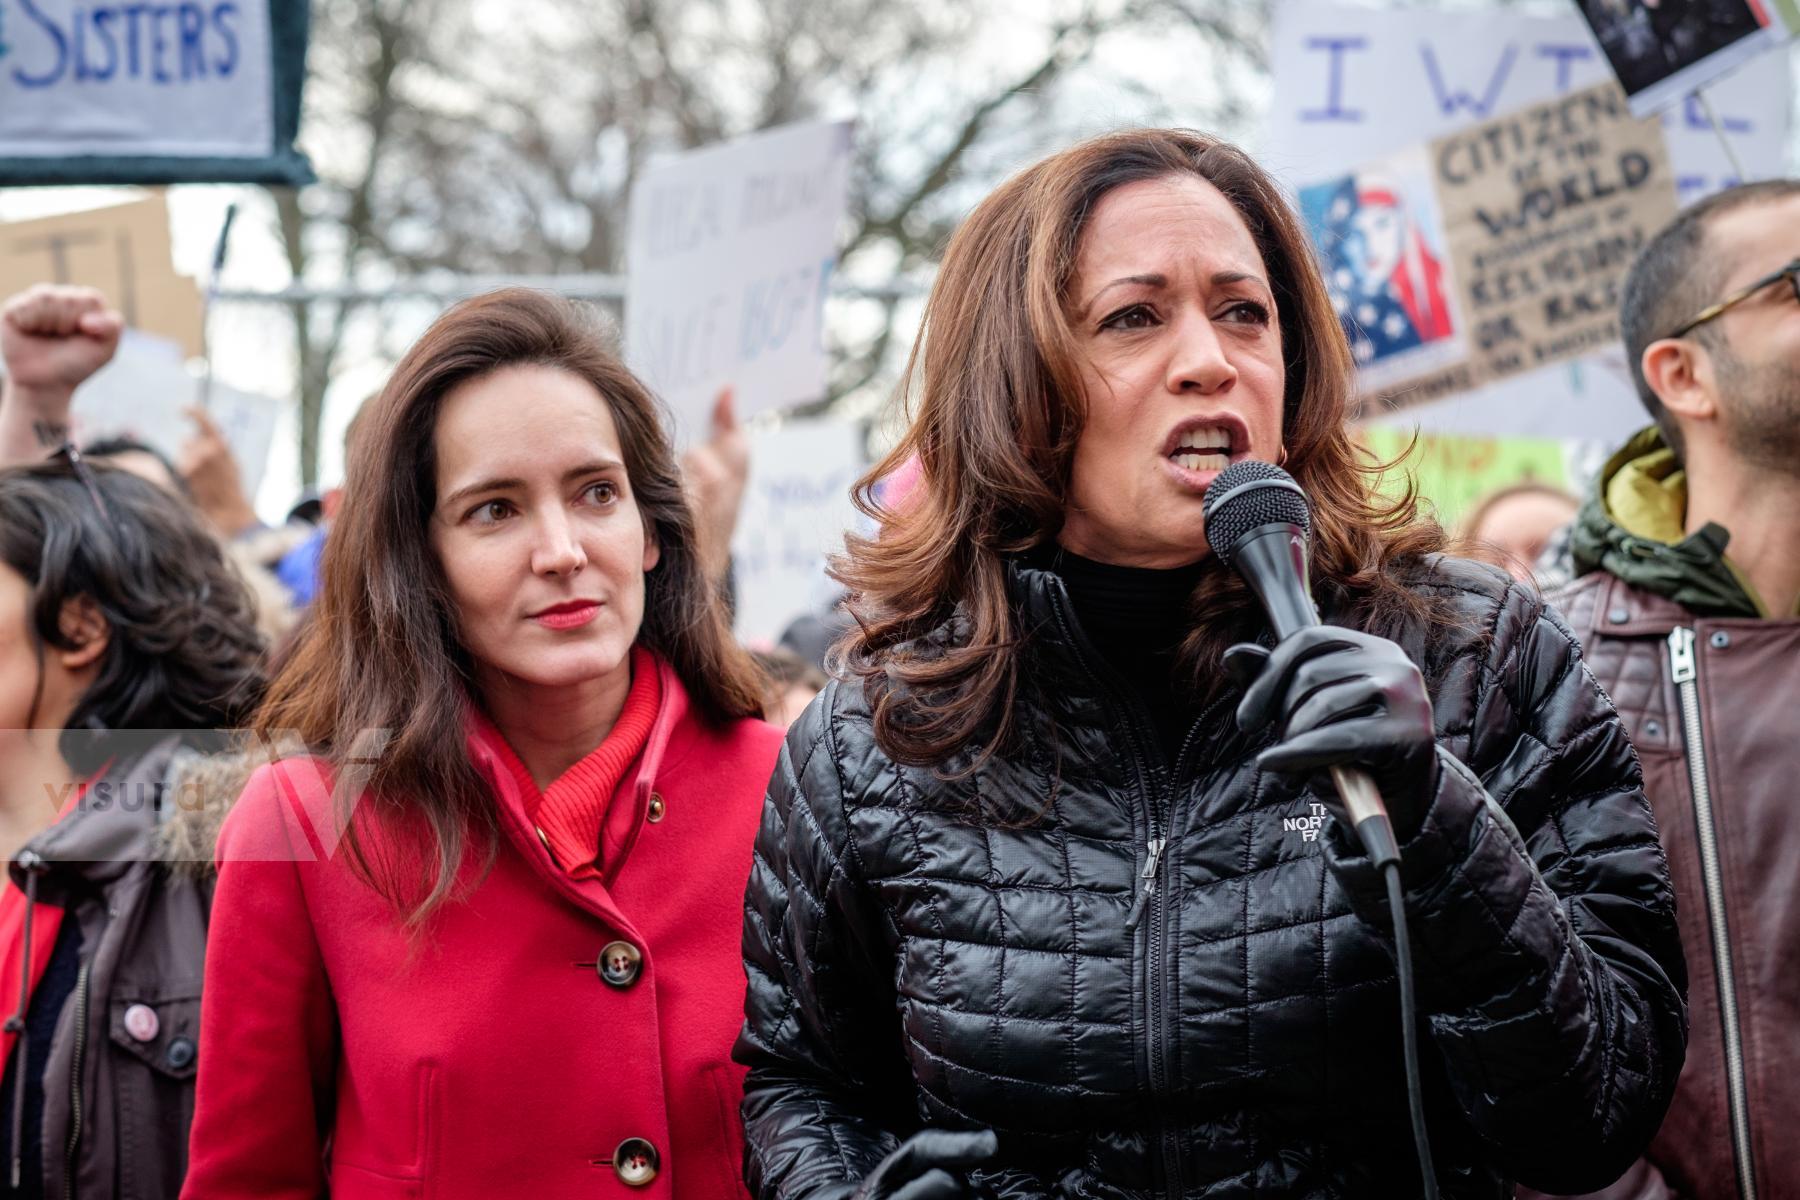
(141, 1023)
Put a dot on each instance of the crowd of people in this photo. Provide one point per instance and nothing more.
(448, 844)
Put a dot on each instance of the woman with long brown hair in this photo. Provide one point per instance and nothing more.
(481, 941)
(1046, 903)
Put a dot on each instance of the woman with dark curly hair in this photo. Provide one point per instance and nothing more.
(1046, 904)
(127, 647)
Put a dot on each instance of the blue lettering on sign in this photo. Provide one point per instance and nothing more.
(1334, 109)
(162, 43)
(193, 24)
(55, 33)
(1450, 102)
(227, 31)
(772, 311)
(103, 33)
(1687, 185)
(1693, 116)
(1565, 55)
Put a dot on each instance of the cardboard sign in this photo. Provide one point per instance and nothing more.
(122, 250)
(1665, 50)
(796, 509)
(731, 251)
(142, 393)
(186, 90)
(1546, 211)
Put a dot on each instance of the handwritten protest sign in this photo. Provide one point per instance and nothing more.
(1664, 52)
(123, 250)
(1546, 210)
(730, 253)
(178, 91)
(1355, 84)
(1509, 259)
(796, 509)
(142, 393)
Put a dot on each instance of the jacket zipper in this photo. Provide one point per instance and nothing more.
(1684, 668)
(1151, 780)
(74, 1082)
(81, 1031)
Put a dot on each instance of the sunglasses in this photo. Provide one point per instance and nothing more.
(79, 464)
(1791, 273)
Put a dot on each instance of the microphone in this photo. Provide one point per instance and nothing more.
(1259, 524)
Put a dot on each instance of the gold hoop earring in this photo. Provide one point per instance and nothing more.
(1282, 461)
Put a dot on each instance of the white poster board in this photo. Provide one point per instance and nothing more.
(141, 394)
(730, 254)
(796, 510)
(1356, 84)
(186, 80)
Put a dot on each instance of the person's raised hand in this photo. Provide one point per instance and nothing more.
(54, 336)
(211, 471)
(929, 1165)
(716, 472)
(1341, 697)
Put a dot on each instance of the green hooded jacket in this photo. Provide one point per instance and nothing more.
(1634, 527)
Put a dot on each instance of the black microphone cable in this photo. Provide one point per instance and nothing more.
(1259, 524)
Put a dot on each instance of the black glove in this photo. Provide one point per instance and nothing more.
(1343, 698)
(929, 1166)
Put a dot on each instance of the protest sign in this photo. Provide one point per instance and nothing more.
(1665, 50)
(122, 250)
(169, 92)
(796, 509)
(142, 393)
(1545, 211)
(1507, 258)
(1455, 472)
(1354, 84)
(730, 254)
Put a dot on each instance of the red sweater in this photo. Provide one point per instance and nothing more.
(487, 1057)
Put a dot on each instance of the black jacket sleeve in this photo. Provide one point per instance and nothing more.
(828, 1094)
(1542, 915)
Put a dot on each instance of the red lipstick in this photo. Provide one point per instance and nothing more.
(571, 614)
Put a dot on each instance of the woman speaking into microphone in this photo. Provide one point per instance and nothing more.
(1049, 903)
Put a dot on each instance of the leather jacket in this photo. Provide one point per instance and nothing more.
(952, 948)
(1728, 686)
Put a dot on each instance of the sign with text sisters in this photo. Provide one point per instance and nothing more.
(1493, 250)
(182, 91)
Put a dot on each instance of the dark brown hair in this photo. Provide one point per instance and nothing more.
(1675, 277)
(995, 377)
(182, 652)
(380, 651)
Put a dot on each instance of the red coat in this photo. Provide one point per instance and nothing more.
(487, 1057)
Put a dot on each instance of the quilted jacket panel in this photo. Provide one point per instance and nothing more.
(918, 957)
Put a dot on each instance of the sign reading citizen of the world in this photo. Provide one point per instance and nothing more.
(140, 92)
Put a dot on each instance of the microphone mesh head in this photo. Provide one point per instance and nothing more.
(1247, 495)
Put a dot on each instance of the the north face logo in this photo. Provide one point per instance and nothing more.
(1308, 826)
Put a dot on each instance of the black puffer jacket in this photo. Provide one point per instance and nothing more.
(913, 961)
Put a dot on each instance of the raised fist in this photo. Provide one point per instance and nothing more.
(53, 336)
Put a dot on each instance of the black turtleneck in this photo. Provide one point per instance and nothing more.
(1136, 617)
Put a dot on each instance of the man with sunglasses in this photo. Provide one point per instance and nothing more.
(1687, 602)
